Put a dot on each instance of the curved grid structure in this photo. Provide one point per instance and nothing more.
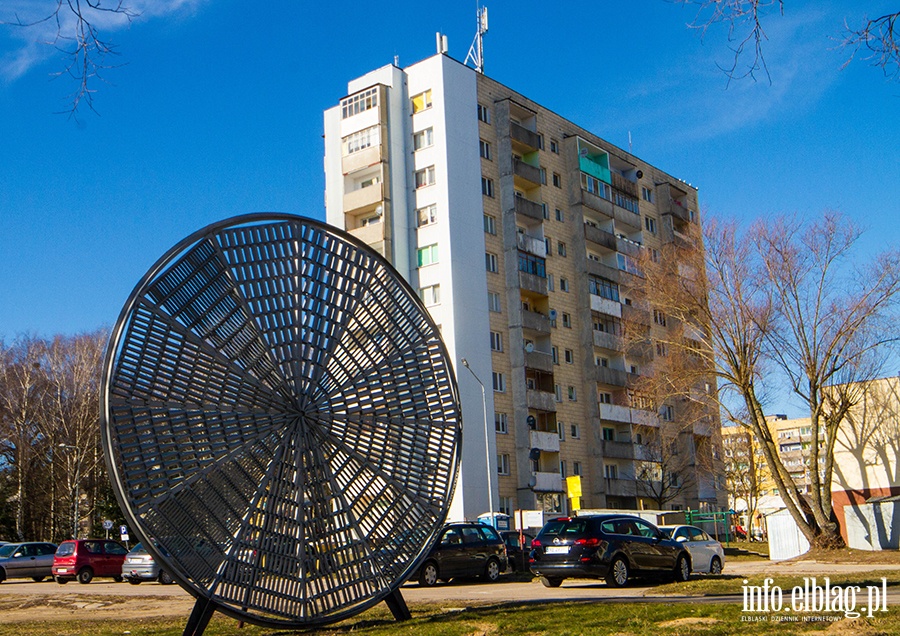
(281, 416)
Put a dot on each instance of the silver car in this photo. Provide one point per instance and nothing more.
(707, 554)
(140, 566)
(32, 560)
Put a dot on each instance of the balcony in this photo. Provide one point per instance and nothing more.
(370, 234)
(678, 210)
(539, 360)
(597, 203)
(533, 283)
(634, 314)
(361, 159)
(606, 375)
(529, 209)
(535, 321)
(525, 139)
(547, 482)
(545, 441)
(532, 245)
(527, 173)
(609, 341)
(540, 400)
(618, 450)
(606, 306)
(599, 237)
(624, 185)
(602, 270)
(703, 428)
(620, 487)
(640, 349)
(363, 199)
(615, 413)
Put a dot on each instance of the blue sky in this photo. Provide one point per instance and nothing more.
(217, 111)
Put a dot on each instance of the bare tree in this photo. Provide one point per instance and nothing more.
(747, 478)
(782, 303)
(746, 34)
(78, 38)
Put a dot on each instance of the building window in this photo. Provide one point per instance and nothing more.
(576, 468)
(575, 431)
(545, 210)
(550, 284)
(490, 224)
(490, 262)
(427, 255)
(423, 138)
(503, 464)
(487, 187)
(421, 102)
(650, 224)
(611, 471)
(499, 382)
(662, 349)
(571, 394)
(600, 361)
(659, 318)
(560, 248)
(496, 341)
(564, 284)
(554, 354)
(484, 114)
(594, 186)
(358, 103)
(531, 264)
(430, 295)
(559, 215)
(494, 302)
(604, 288)
(361, 140)
(506, 506)
(547, 246)
(570, 356)
(554, 146)
(557, 391)
(567, 320)
(425, 177)
(501, 423)
(557, 180)
(426, 215)
(667, 413)
(609, 434)
(562, 468)
(647, 194)
(654, 255)
(370, 220)
(484, 149)
(543, 176)
(604, 398)
(561, 430)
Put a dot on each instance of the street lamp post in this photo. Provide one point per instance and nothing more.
(487, 444)
(77, 476)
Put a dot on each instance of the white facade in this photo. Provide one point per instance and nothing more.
(456, 243)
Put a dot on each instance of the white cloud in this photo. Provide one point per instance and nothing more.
(44, 37)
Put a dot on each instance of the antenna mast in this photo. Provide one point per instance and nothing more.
(476, 51)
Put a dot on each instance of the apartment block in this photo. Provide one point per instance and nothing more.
(523, 234)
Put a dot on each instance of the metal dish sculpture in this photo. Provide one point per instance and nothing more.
(280, 415)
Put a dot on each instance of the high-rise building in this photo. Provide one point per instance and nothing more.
(523, 234)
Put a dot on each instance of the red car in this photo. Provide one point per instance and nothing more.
(86, 558)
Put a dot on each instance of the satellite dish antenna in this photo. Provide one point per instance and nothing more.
(529, 347)
(552, 314)
(583, 152)
(279, 413)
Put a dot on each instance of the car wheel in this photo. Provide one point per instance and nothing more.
(37, 579)
(618, 573)
(428, 577)
(492, 570)
(134, 581)
(85, 576)
(165, 578)
(61, 580)
(118, 579)
(682, 569)
(715, 567)
(551, 582)
(2, 575)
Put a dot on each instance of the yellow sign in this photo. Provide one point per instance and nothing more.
(573, 486)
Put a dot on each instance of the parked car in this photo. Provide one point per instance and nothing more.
(140, 566)
(464, 549)
(86, 558)
(518, 547)
(26, 560)
(612, 547)
(707, 554)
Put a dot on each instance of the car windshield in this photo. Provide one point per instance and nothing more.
(7, 550)
(66, 549)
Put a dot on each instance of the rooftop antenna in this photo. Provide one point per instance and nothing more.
(476, 51)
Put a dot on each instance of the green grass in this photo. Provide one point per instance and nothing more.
(730, 584)
(561, 619)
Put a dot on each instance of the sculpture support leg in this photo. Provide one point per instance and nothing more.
(398, 606)
(199, 618)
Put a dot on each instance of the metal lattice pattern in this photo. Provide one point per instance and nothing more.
(282, 418)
